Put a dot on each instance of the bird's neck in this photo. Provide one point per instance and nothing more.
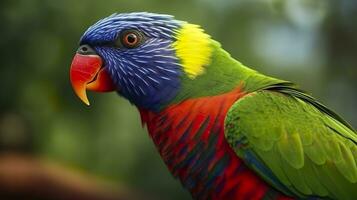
(222, 75)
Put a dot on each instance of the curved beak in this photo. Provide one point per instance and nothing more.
(87, 72)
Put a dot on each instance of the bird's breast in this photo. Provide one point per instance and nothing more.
(190, 138)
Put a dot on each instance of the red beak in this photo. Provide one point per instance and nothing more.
(87, 73)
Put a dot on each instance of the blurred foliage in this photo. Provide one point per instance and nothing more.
(311, 42)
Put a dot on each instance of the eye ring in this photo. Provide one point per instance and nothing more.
(131, 38)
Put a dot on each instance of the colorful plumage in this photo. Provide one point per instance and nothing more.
(224, 130)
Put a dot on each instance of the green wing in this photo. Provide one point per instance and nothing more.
(294, 143)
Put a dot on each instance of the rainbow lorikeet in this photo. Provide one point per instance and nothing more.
(226, 131)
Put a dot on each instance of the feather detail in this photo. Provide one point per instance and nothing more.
(190, 138)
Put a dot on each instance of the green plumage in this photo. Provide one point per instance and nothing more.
(306, 147)
(295, 143)
(291, 140)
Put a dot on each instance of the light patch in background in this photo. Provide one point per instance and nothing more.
(281, 45)
(306, 14)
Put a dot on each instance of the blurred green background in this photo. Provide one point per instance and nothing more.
(310, 42)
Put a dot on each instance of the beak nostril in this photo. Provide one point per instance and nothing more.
(86, 50)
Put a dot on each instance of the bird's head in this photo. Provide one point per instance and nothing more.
(145, 57)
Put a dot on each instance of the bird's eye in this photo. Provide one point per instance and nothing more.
(131, 39)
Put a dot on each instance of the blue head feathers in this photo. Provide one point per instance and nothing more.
(137, 50)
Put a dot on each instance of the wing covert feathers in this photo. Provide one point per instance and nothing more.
(310, 150)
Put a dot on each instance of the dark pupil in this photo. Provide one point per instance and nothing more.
(131, 38)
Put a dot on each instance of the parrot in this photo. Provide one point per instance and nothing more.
(224, 130)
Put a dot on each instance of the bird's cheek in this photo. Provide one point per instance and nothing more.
(87, 72)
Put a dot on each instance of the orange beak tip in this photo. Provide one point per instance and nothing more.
(80, 91)
(86, 101)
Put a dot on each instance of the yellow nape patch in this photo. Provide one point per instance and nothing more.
(193, 47)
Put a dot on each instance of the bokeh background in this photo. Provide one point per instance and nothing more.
(310, 42)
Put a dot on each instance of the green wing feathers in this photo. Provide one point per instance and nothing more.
(301, 144)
